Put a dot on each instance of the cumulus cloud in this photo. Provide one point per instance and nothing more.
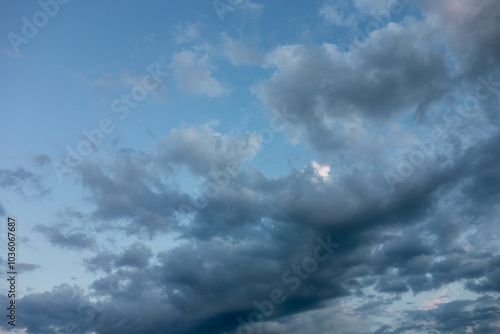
(136, 190)
(258, 228)
(243, 235)
(470, 30)
(319, 85)
(208, 150)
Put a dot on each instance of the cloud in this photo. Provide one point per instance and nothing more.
(376, 5)
(186, 33)
(41, 160)
(320, 85)
(135, 190)
(75, 241)
(334, 14)
(14, 177)
(194, 74)
(209, 151)
(23, 267)
(321, 172)
(205, 284)
(239, 246)
(126, 79)
(239, 53)
(459, 316)
(51, 311)
(490, 281)
(22, 181)
(129, 199)
(471, 32)
(254, 234)
(136, 256)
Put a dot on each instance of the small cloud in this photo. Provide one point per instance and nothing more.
(126, 80)
(69, 213)
(20, 180)
(321, 172)
(41, 159)
(74, 241)
(336, 16)
(106, 82)
(239, 53)
(186, 33)
(23, 267)
(195, 74)
(135, 256)
(14, 177)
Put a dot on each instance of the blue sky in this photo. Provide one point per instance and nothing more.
(187, 160)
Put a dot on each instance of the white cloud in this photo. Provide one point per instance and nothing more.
(321, 172)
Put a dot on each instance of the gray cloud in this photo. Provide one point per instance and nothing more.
(389, 243)
(23, 267)
(437, 228)
(77, 240)
(41, 159)
(136, 256)
(471, 31)
(194, 73)
(204, 150)
(22, 181)
(395, 71)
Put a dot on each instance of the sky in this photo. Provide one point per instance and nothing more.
(251, 166)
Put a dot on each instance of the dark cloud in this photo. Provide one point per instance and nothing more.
(136, 256)
(23, 267)
(52, 311)
(238, 247)
(41, 159)
(139, 191)
(395, 71)
(459, 316)
(14, 177)
(253, 234)
(471, 31)
(491, 280)
(129, 197)
(245, 238)
(77, 240)
(22, 181)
